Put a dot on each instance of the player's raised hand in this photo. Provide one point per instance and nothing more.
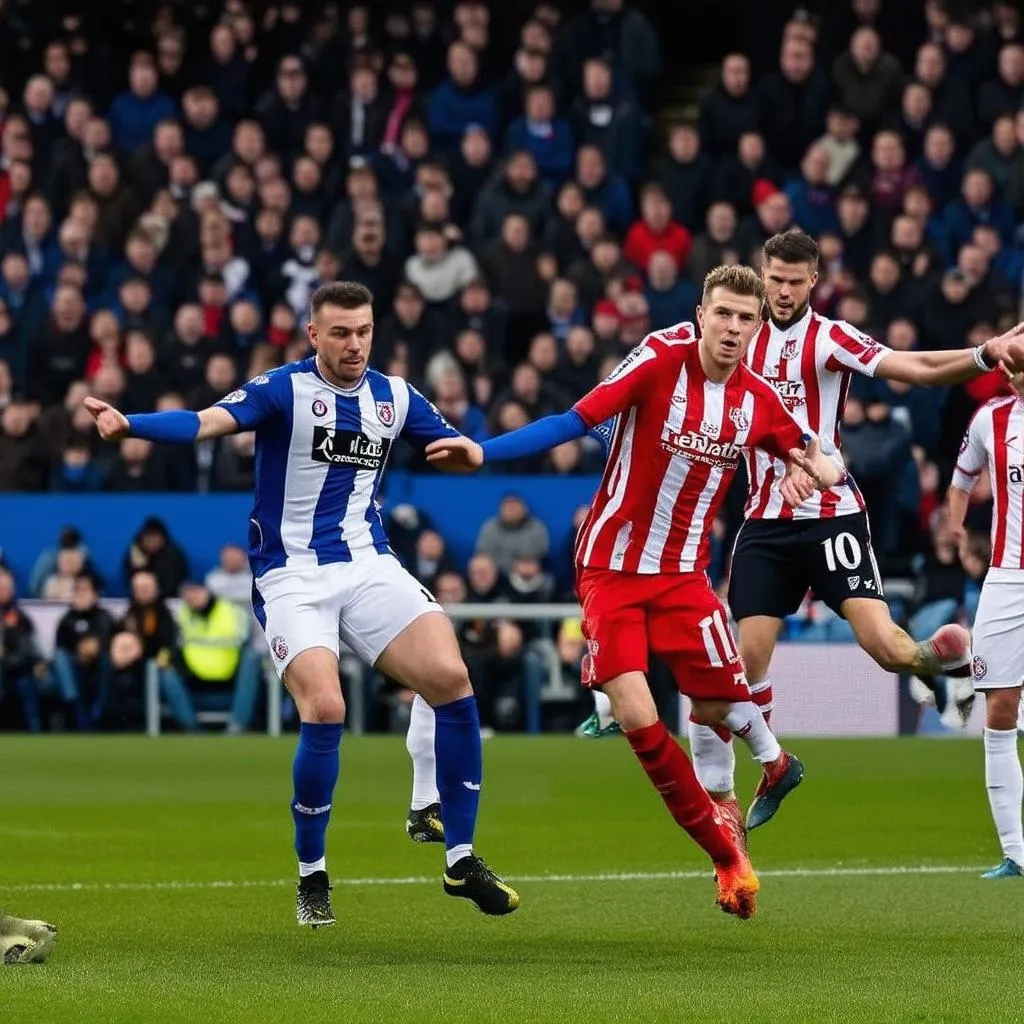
(797, 486)
(1007, 348)
(455, 454)
(111, 424)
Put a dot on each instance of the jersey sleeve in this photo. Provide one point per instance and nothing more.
(424, 422)
(853, 350)
(778, 432)
(973, 452)
(260, 399)
(627, 384)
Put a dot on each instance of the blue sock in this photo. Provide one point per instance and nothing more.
(459, 769)
(314, 775)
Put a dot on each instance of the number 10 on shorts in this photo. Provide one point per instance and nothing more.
(718, 641)
(844, 549)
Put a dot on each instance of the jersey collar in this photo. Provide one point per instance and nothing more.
(797, 326)
(349, 392)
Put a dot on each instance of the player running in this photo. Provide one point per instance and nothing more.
(25, 942)
(995, 440)
(825, 542)
(321, 562)
(685, 410)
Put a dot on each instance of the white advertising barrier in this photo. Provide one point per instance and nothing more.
(829, 690)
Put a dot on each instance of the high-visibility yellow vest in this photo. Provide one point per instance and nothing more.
(211, 644)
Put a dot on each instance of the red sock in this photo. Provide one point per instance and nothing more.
(719, 730)
(761, 694)
(672, 775)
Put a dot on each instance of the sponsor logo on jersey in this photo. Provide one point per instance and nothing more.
(698, 447)
(261, 379)
(740, 419)
(640, 352)
(233, 398)
(319, 407)
(709, 428)
(1015, 474)
(279, 648)
(386, 413)
(979, 669)
(965, 442)
(790, 391)
(348, 448)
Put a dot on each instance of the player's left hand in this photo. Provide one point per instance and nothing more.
(1007, 348)
(455, 454)
(797, 486)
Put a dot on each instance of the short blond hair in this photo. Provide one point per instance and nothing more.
(736, 279)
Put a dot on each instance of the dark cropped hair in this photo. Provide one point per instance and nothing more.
(792, 246)
(346, 294)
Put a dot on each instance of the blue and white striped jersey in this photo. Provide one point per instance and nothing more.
(320, 455)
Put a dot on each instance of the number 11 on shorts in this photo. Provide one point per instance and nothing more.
(718, 641)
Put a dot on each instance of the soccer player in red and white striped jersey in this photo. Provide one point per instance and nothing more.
(686, 410)
(825, 543)
(995, 441)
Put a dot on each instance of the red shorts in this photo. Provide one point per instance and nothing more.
(678, 617)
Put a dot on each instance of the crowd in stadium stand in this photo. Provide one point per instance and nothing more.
(172, 191)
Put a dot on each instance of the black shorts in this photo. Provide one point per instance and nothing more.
(776, 561)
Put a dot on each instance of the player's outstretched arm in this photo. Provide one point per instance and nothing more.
(939, 369)
(460, 455)
(176, 426)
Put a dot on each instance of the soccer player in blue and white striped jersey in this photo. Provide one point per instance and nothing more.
(323, 571)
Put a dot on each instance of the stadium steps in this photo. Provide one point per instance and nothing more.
(681, 94)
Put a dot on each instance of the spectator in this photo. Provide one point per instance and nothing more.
(998, 154)
(603, 116)
(23, 465)
(951, 102)
(869, 80)
(461, 100)
(207, 134)
(360, 114)
(136, 112)
(437, 270)
(547, 136)
(564, 310)
(1000, 96)
(602, 189)
(81, 659)
(728, 108)
(76, 470)
(288, 108)
(451, 397)
(977, 205)
(772, 214)
(21, 665)
(146, 633)
(670, 298)
(117, 205)
(512, 534)
(656, 231)
(840, 143)
(519, 190)
(232, 579)
(717, 244)
(234, 466)
(153, 551)
(735, 181)
(892, 177)
(811, 197)
(216, 664)
(686, 174)
(939, 169)
(60, 584)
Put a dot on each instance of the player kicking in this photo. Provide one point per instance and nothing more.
(685, 411)
(25, 942)
(322, 565)
(825, 543)
(995, 440)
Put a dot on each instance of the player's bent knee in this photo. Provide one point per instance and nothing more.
(710, 712)
(444, 681)
(322, 709)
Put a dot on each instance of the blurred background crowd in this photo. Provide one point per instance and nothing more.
(527, 189)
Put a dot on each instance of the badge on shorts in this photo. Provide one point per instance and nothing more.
(978, 667)
(279, 647)
(853, 581)
(386, 413)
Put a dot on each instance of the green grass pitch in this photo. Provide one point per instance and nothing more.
(168, 867)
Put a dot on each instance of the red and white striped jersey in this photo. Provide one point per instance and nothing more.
(995, 438)
(810, 365)
(676, 444)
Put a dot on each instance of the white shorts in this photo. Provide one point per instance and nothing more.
(364, 604)
(998, 643)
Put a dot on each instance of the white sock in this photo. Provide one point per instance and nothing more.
(457, 853)
(714, 759)
(748, 724)
(1004, 781)
(603, 707)
(308, 869)
(419, 741)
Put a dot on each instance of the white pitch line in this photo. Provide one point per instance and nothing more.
(608, 876)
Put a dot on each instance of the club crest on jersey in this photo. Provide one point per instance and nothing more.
(319, 407)
(739, 418)
(279, 648)
(386, 413)
(790, 349)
